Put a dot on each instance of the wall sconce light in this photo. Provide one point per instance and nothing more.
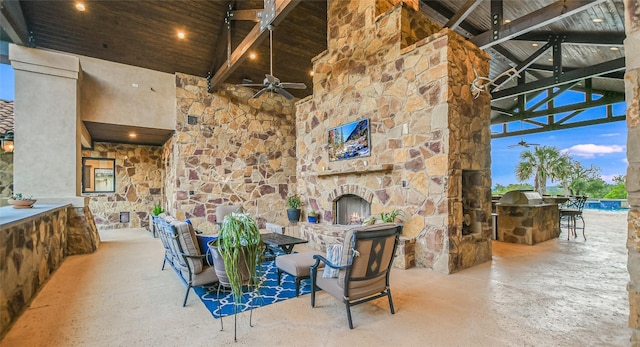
(6, 142)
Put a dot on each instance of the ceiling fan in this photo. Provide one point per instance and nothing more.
(523, 143)
(272, 83)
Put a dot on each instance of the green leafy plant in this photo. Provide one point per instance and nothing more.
(157, 209)
(20, 196)
(313, 213)
(293, 202)
(240, 244)
(390, 217)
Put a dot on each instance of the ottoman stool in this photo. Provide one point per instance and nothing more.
(296, 265)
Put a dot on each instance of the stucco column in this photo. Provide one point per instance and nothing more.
(47, 159)
(632, 90)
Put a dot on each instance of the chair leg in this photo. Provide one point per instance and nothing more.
(279, 274)
(393, 311)
(583, 227)
(298, 279)
(349, 314)
(186, 295)
(313, 289)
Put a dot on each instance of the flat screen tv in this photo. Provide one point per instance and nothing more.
(349, 141)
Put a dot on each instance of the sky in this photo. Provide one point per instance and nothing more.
(603, 145)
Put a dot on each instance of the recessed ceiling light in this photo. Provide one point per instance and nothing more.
(311, 73)
(253, 56)
(132, 135)
(614, 48)
(80, 7)
(507, 20)
(597, 20)
(534, 44)
(550, 59)
(181, 35)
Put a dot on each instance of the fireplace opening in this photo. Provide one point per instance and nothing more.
(351, 209)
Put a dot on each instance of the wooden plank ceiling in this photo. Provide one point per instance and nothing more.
(144, 34)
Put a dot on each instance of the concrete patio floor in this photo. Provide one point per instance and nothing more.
(557, 293)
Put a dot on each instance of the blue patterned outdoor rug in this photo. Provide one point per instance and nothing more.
(270, 292)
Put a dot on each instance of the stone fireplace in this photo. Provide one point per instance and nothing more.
(430, 138)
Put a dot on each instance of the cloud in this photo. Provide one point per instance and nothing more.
(590, 150)
(611, 135)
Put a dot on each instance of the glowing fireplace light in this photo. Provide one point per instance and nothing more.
(355, 219)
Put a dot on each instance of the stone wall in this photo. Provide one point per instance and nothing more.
(425, 126)
(139, 185)
(528, 225)
(632, 86)
(241, 151)
(6, 175)
(31, 250)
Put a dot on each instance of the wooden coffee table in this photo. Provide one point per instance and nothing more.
(284, 242)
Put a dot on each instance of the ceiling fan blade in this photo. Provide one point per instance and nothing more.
(284, 93)
(293, 85)
(271, 79)
(250, 85)
(260, 92)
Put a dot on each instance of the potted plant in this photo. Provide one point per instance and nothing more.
(390, 217)
(157, 209)
(21, 201)
(293, 211)
(312, 216)
(240, 247)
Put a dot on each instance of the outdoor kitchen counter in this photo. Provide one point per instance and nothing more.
(527, 223)
(10, 215)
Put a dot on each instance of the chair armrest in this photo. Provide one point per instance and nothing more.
(326, 261)
(201, 256)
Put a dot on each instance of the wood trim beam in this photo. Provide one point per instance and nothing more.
(534, 20)
(462, 13)
(13, 22)
(567, 77)
(253, 39)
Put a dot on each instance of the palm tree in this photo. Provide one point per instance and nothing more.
(542, 163)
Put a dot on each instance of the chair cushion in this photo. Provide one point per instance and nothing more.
(189, 243)
(296, 264)
(203, 245)
(347, 250)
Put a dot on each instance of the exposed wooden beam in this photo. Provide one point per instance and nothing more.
(567, 77)
(534, 20)
(253, 39)
(525, 64)
(462, 13)
(619, 75)
(13, 22)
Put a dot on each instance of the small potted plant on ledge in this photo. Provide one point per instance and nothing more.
(293, 211)
(19, 200)
(312, 216)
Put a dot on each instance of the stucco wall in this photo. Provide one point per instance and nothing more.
(121, 94)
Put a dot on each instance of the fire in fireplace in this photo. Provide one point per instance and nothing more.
(351, 209)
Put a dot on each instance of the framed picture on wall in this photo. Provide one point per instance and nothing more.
(349, 141)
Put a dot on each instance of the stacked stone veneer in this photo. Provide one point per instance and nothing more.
(527, 224)
(241, 151)
(632, 86)
(31, 250)
(139, 185)
(425, 126)
(6, 175)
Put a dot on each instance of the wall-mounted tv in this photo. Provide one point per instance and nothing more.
(349, 141)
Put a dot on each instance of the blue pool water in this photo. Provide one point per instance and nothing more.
(610, 205)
